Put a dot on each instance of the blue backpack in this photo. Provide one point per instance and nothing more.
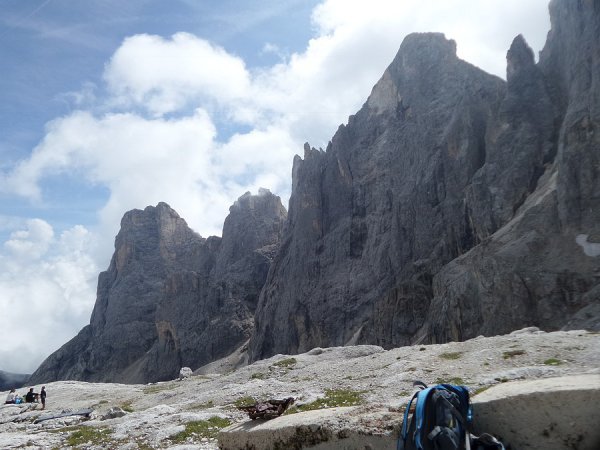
(441, 420)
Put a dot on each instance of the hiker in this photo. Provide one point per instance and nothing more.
(31, 396)
(43, 397)
(11, 398)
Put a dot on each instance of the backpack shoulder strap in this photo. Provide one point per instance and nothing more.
(420, 414)
(405, 422)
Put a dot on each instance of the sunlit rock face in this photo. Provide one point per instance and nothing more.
(171, 298)
(451, 205)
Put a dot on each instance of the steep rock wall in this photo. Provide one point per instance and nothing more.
(171, 298)
(453, 204)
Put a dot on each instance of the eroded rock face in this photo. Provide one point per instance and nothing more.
(453, 204)
(540, 267)
(171, 298)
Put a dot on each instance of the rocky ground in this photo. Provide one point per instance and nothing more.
(187, 414)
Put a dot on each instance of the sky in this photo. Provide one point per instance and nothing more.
(107, 106)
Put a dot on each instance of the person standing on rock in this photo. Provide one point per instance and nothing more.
(43, 397)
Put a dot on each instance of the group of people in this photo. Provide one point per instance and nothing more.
(30, 397)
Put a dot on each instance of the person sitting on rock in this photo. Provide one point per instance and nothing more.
(11, 398)
(31, 396)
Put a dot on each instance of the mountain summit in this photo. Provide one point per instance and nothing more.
(453, 204)
(171, 298)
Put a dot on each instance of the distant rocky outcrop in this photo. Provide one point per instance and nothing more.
(171, 298)
(12, 380)
(453, 204)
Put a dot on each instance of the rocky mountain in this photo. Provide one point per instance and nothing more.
(171, 298)
(453, 204)
(10, 380)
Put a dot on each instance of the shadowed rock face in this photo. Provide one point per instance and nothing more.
(453, 204)
(171, 298)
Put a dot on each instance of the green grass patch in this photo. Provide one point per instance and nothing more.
(480, 389)
(244, 401)
(126, 406)
(452, 380)
(143, 445)
(332, 399)
(201, 406)
(451, 355)
(286, 363)
(258, 376)
(153, 389)
(84, 435)
(512, 353)
(553, 362)
(201, 429)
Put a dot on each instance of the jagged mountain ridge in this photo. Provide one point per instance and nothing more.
(171, 298)
(450, 205)
(453, 204)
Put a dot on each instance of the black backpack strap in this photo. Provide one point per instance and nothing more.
(420, 384)
(455, 412)
(486, 441)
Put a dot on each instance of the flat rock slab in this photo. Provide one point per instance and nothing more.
(552, 413)
(341, 428)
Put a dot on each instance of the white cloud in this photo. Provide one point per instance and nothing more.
(157, 138)
(164, 75)
(47, 289)
(31, 243)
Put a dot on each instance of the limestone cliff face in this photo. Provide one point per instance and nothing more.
(171, 298)
(540, 266)
(453, 203)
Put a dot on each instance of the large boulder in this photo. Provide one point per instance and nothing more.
(553, 413)
(340, 428)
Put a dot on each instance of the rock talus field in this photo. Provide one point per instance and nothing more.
(360, 392)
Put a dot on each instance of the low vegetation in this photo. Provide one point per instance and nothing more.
(89, 435)
(244, 401)
(201, 429)
(201, 406)
(286, 363)
(127, 406)
(332, 399)
(480, 389)
(451, 355)
(512, 353)
(155, 388)
(451, 380)
(553, 362)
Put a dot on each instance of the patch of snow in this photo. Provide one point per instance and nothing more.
(589, 248)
